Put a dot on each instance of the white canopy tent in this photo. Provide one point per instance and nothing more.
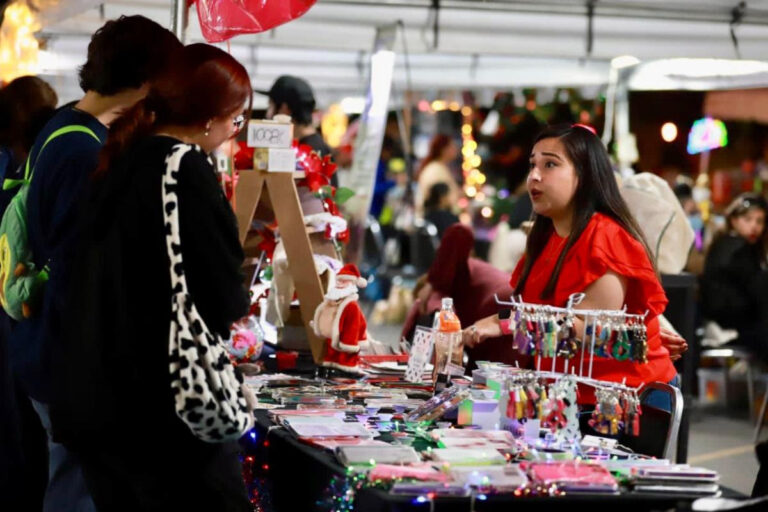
(481, 45)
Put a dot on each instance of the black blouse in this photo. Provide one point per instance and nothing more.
(112, 373)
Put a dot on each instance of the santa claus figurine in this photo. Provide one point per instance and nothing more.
(340, 321)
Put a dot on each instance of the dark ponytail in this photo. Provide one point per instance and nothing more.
(132, 125)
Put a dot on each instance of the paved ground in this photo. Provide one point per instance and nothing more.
(722, 440)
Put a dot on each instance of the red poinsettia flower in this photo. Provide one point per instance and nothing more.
(343, 237)
(268, 242)
(314, 181)
(244, 156)
(318, 170)
(328, 167)
(330, 206)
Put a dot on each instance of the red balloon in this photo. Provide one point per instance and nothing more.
(223, 19)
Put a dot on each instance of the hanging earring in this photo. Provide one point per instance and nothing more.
(208, 129)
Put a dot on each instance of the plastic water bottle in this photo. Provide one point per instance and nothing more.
(448, 346)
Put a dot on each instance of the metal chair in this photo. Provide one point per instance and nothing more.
(761, 415)
(659, 429)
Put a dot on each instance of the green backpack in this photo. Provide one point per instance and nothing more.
(20, 282)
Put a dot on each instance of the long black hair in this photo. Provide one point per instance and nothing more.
(596, 192)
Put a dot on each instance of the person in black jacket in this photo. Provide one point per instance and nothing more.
(734, 285)
(114, 405)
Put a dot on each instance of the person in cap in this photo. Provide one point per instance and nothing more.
(341, 322)
(291, 95)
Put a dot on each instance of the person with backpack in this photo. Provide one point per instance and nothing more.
(124, 400)
(26, 104)
(124, 56)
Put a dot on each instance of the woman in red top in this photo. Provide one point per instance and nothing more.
(584, 239)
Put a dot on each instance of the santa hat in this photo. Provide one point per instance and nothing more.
(349, 272)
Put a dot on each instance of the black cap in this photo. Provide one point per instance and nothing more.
(296, 94)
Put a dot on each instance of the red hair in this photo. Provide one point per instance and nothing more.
(205, 83)
(436, 148)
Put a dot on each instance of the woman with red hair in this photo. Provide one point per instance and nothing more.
(435, 169)
(114, 397)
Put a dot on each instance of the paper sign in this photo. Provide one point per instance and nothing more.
(222, 163)
(421, 352)
(281, 160)
(269, 134)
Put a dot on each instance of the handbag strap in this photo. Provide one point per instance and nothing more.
(171, 216)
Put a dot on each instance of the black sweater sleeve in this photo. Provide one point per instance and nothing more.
(728, 286)
(211, 249)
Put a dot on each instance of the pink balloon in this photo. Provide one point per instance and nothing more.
(223, 19)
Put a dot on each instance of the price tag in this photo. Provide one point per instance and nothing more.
(269, 134)
(222, 163)
(421, 352)
(281, 160)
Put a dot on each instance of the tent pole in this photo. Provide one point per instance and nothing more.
(180, 19)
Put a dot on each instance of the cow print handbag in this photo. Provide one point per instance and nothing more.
(207, 390)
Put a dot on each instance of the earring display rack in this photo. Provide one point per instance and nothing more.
(619, 321)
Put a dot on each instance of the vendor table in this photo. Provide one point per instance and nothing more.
(300, 475)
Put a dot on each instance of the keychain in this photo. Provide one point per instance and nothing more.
(521, 335)
(511, 403)
(550, 337)
(622, 349)
(640, 345)
(532, 403)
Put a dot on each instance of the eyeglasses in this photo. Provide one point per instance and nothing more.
(239, 122)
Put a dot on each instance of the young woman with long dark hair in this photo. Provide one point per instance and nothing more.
(584, 240)
(734, 285)
(114, 399)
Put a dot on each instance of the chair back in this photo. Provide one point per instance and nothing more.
(659, 429)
